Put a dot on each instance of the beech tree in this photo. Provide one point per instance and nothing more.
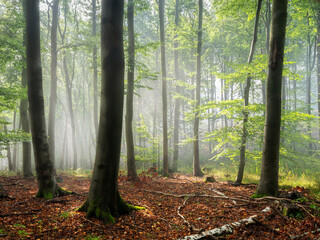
(268, 183)
(196, 160)
(95, 67)
(24, 116)
(131, 164)
(246, 99)
(53, 89)
(164, 91)
(47, 185)
(104, 200)
(177, 100)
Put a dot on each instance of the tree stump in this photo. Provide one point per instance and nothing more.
(291, 210)
(210, 179)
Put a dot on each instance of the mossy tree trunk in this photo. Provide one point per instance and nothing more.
(104, 201)
(268, 184)
(47, 186)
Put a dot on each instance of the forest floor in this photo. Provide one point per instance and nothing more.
(173, 208)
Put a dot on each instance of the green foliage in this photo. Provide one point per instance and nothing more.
(148, 151)
(256, 195)
(92, 237)
(10, 94)
(11, 62)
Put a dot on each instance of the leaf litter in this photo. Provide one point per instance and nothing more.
(174, 208)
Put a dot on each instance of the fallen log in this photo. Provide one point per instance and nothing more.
(225, 229)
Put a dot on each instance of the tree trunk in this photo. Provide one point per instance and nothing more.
(25, 125)
(268, 184)
(104, 201)
(318, 61)
(24, 116)
(155, 110)
(196, 158)
(95, 67)
(53, 93)
(9, 157)
(131, 163)
(177, 100)
(308, 82)
(71, 114)
(47, 186)
(246, 99)
(164, 91)
(14, 144)
(267, 23)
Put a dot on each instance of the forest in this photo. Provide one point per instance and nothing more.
(154, 119)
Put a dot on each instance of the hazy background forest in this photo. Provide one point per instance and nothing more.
(227, 32)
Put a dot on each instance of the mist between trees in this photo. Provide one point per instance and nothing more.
(186, 73)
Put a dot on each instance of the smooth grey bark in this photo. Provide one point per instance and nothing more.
(196, 158)
(14, 148)
(177, 100)
(267, 23)
(268, 183)
(47, 186)
(164, 92)
(53, 89)
(308, 81)
(9, 156)
(104, 200)
(25, 125)
(131, 162)
(24, 116)
(155, 110)
(95, 67)
(246, 99)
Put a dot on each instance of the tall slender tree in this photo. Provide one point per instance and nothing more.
(95, 67)
(196, 158)
(53, 90)
(68, 84)
(246, 99)
(164, 91)
(131, 164)
(318, 59)
(24, 116)
(177, 100)
(104, 200)
(268, 183)
(47, 185)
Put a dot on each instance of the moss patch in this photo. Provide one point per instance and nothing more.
(256, 195)
(93, 210)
